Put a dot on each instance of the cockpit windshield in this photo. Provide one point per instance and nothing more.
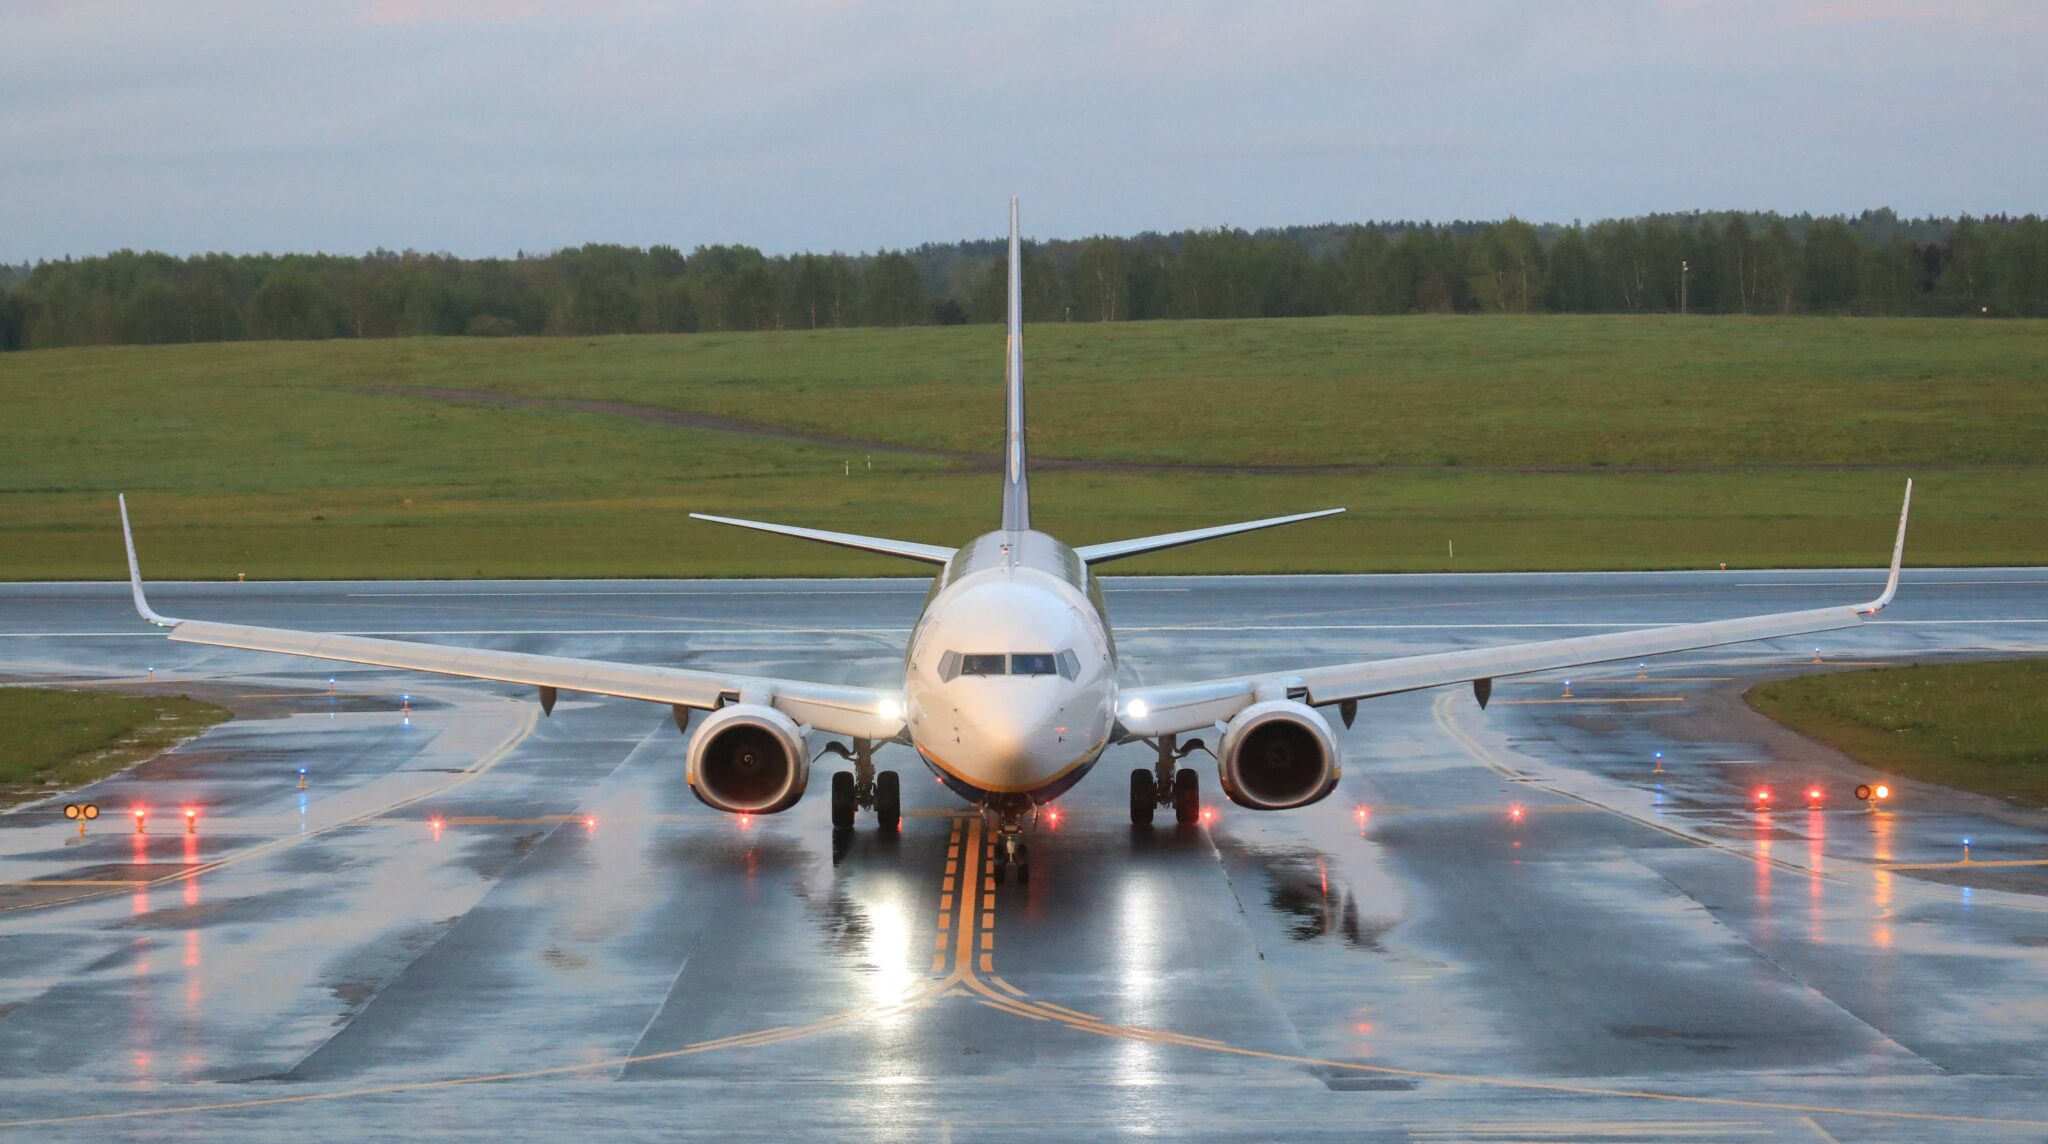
(955, 664)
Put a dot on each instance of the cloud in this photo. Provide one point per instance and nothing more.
(487, 127)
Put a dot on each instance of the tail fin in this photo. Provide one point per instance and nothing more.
(1016, 489)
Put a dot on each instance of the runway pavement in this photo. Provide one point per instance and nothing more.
(1505, 924)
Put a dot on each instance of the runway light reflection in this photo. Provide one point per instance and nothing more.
(1142, 939)
(890, 976)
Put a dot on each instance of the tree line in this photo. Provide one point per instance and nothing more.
(1721, 263)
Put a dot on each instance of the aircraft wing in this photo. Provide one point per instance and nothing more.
(860, 712)
(1175, 708)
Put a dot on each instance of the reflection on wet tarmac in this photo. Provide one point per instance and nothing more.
(678, 970)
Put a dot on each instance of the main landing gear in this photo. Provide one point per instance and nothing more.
(1168, 784)
(865, 789)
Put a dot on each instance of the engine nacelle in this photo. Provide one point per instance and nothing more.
(1278, 755)
(748, 759)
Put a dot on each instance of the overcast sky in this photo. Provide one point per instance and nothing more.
(485, 128)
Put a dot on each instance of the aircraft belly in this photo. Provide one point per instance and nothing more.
(962, 780)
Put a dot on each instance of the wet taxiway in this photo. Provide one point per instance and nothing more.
(1507, 924)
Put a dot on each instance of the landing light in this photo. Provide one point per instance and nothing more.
(1137, 709)
(1763, 794)
(1515, 812)
(891, 709)
(1882, 791)
(1813, 794)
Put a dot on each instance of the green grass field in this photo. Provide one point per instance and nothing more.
(52, 739)
(1973, 726)
(1530, 443)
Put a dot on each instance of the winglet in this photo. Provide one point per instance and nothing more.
(1891, 583)
(135, 574)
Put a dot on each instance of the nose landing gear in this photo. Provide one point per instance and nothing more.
(1008, 855)
(1168, 784)
(864, 789)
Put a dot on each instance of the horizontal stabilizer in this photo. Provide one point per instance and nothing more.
(1118, 549)
(909, 550)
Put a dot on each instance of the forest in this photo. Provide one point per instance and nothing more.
(1871, 264)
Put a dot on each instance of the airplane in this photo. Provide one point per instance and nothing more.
(1010, 690)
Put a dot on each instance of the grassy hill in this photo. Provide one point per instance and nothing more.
(1551, 442)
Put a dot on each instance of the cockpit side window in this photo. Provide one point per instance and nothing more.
(991, 664)
(949, 666)
(1070, 664)
(1033, 663)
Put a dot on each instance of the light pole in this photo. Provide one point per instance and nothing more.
(1684, 277)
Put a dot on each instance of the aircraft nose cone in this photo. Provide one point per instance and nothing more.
(1016, 740)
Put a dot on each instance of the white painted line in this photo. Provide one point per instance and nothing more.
(1904, 582)
(736, 594)
(741, 631)
(1121, 630)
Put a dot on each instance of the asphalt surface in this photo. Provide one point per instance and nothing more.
(1506, 924)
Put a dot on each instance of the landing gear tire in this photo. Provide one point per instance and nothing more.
(888, 801)
(1187, 797)
(1011, 855)
(842, 800)
(1143, 799)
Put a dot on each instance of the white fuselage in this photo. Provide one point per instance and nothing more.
(1010, 682)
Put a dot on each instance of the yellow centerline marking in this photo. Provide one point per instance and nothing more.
(1018, 1003)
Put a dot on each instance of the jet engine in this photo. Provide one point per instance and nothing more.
(748, 759)
(1278, 755)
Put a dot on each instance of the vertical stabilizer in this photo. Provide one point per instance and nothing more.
(1016, 490)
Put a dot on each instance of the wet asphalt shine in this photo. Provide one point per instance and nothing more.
(1516, 923)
